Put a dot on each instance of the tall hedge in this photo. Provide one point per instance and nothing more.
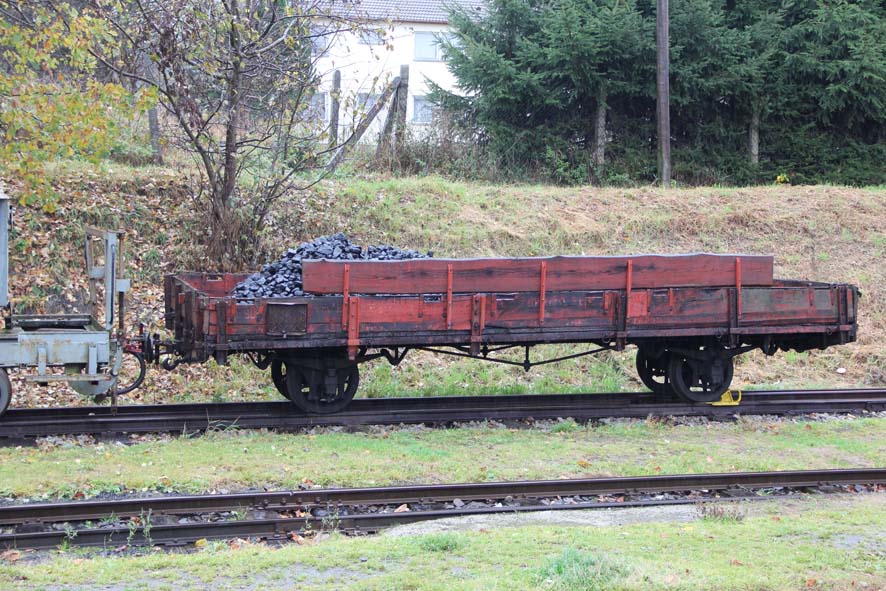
(564, 89)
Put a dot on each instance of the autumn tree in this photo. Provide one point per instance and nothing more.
(51, 104)
(237, 77)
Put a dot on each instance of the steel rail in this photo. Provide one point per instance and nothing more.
(30, 423)
(31, 519)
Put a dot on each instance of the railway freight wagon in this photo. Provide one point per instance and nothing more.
(689, 316)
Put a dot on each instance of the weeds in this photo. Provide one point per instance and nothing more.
(108, 520)
(330, 521)
(144, 520)
(733, 512)
(443, 542)
(576, 570)
(70, 535)
(565, 426)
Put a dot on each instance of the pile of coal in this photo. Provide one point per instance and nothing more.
(283, 278)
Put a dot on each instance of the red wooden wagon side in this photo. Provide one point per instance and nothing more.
(690, 315)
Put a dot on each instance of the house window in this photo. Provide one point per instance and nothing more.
(316, 110)
(372, 37)
(422, 110)
(427, 46)
(320, 39)
(366, 101)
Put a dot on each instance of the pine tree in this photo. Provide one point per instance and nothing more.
(757, 88)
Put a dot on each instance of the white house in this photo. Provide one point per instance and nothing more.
(400, 32)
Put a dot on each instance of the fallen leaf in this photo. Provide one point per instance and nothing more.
(811, 582)
(201, 543)
(10, 555)
(736, 562)
(775, 518)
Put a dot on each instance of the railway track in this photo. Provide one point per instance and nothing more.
(178, 418)
(179, 520)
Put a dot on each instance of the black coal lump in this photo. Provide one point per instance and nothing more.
(283, 277)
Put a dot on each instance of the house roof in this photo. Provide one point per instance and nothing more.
(415, 11)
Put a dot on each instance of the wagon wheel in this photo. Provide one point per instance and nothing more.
(278, 375)
(319, 391)
(5, 391)
(653, 371)
(700, 380)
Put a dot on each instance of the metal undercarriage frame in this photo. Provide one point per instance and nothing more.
(83, 350)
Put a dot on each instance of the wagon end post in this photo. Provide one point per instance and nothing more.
(5, 226)
(353, 327)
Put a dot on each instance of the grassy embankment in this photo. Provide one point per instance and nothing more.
(818, 233)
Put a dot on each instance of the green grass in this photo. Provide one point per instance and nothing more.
(833, 543)
(424, 374)
(233, 459)
(574, 570)
(443, 542)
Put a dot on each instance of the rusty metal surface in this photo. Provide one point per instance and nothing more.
(796, 314)
(286, 319)
(562, 273)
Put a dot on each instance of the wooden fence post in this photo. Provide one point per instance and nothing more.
(361, 127)
(333, 115)
(384, 138)
(402, 101)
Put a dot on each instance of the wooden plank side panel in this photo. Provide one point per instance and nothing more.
(682, 308)
(680, 311)
(244, 318)
(562, 310)
(790, 305)
(214, 285)
(413, 314)
(675, 308)
(523, 275)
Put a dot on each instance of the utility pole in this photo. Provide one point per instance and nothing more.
(663, 109)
